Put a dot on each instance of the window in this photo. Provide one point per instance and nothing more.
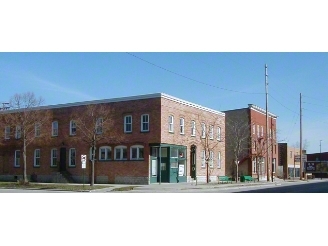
(211, 159)
(203, 130)
(274, 165)
(37, 129)
(7, 132)
(181, 125)
(274, 134)
(291, 154)
(99, 126)
(171, 129)
(253, 129)
(72, 157)
(261, 131)
(203, 158)
(37, 157)
(258, 131)
(145, 123)
(120, 153)
(54, 131)
(17, 158)
(137, 152)
(193, 128)
(219, 134)
(105, 153)
(53, 157)
(211, 132)
(128, 123)
(72, 127)
(18, 133)
(254, 165)
(270, 133)
(219, 160)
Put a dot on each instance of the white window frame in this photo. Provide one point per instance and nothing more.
(171, 123)
(54, 128)
(17, 159)
(99, 126)
(108, 153)
(193, 128)
(7, 132)
(211, 132)
(219, 159)
(37, 157)
(182, 126)
(54, 157)
(144, 123)
(203, 158)
(203, 130)
(72, 157)
(37, 129)
(258, 131)
(262, 131)
(211, 159)
(121, 148)
(138, 148)
(253, 129)
(72, 128)
(127, 123)
(18, 132)
(219, 133)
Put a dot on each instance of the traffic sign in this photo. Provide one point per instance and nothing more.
(84, 161)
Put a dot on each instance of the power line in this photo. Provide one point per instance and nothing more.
(316, 98)
(183, 76)
(283, 105)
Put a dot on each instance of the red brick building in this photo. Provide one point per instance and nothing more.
(150, 133)
(259, 143)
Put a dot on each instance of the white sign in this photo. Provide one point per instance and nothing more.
(181, 170)
(84, 161)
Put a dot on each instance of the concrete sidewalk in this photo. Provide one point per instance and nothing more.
(189, 186)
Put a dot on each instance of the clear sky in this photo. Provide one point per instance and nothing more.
(219, 80)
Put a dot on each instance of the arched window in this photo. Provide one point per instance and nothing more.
(105, 153)
(137, 152)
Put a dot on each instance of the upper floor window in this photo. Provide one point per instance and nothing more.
(128, 123)
(137, 152)
(37, 157)
(171, 119)
(253, 129)
(72, 157)
(54, 156)
(120, 153)
(145, 123)
(181, 125)
(18, 133)
(37, 129)
(54, 131)
(17, 158)
(193, 128)
(211, 132)
(258, 131)
(261, 131)
(203, 130)
(219, 134)
(7, 132)
(105, 153)
(72, 127)
(99, 125)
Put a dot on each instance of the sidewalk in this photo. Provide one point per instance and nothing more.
(188, 186)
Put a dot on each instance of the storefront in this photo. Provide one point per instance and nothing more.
(168, 163)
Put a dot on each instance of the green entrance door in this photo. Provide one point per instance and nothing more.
(164, 175)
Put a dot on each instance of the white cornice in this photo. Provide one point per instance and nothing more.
(260, 110)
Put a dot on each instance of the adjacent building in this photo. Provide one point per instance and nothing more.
(289, 161)
(154, 138)
(258, 147)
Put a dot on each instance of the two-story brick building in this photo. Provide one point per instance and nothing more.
(258, 144)
(155, 138)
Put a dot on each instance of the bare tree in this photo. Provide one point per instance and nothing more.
(25, 120)
(94, 123)
(209, 124)
(237, 140)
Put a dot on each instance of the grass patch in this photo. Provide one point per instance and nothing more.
(67, 187)
(126, 188)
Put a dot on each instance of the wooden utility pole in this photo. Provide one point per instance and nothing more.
(301, 151)
(267, 124)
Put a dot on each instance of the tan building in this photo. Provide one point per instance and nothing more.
(289, 161)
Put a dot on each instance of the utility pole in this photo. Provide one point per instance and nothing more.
(320, 160)
(267, 123)
(301, 151)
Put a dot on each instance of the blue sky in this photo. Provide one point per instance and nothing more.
(219, 80)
